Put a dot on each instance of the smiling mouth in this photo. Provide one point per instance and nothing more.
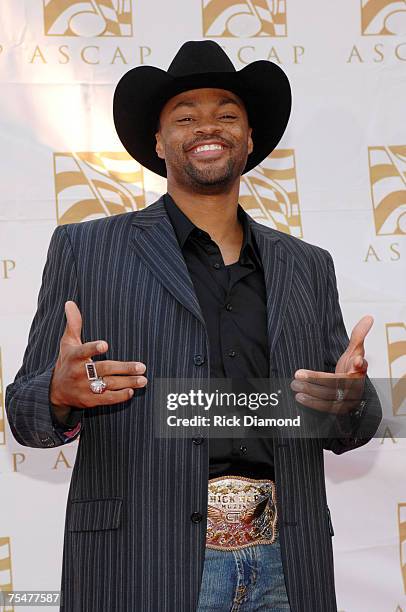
(208, 150)
(208, 147)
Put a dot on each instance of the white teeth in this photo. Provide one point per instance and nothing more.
(208, 147)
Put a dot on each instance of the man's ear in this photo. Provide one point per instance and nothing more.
(159, 147)
(250, 141)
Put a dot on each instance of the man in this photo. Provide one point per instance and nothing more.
(190, 287)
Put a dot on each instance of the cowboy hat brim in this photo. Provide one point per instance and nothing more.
(143, 91)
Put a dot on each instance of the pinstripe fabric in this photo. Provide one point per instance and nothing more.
(130, 544)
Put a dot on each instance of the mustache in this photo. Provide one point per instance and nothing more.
(201, 141)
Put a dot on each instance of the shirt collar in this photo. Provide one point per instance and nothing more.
(183, 228)
(181, 224)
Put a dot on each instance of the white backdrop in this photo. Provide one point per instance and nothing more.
(337, 179)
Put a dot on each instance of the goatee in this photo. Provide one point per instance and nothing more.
(211, 180)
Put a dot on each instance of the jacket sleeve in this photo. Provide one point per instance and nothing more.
(348, 431)
(28, 408)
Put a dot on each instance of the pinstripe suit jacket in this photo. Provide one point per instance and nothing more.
(130, 544)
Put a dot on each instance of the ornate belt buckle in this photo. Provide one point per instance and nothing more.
(241, 512)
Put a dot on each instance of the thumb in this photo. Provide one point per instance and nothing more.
(73, 329)
(359, 332)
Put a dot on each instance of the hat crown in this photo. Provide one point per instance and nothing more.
(200, 57)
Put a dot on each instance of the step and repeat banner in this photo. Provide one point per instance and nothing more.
(337, 179)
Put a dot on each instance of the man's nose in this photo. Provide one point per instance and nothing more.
(207, 126)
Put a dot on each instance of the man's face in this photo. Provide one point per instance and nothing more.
(204, 138)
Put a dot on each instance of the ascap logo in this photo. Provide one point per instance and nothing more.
(396, 341)
(6, 581)
(93, 185)
(244, 18)
(269, 193)
(387, 168)
(383, 17)
(88, 18)
(380, 18)
(2, 411)
(402, 540)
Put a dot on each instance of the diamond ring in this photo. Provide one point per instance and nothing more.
(98, 385)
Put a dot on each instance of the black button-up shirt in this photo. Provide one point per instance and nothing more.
(233, 303)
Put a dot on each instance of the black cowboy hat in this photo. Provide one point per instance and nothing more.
(142, 92)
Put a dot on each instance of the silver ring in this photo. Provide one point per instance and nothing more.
(98, 385)
(91, 370)
(339, 395)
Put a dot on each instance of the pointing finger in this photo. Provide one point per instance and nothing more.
(130, 368)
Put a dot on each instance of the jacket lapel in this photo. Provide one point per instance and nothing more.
(278, 266)
(156, 244)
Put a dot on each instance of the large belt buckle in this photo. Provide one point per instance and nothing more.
(241, 512)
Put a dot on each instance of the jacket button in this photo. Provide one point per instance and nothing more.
(198, 439)
(198, 360)
(196, 517)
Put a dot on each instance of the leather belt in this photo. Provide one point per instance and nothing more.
(241, 512)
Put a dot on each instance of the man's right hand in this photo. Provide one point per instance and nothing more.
(70, 387)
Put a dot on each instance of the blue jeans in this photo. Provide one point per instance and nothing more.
(246, 580)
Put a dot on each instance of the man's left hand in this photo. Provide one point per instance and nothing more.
(341, 392)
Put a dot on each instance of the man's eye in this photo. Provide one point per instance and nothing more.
(184, 119)
(228, 116)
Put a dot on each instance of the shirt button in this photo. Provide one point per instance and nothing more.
(196, 517)
(243, 449)
(198, 360)
(198, 439)
(217, 266)
(232, 353)
(229, 307)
